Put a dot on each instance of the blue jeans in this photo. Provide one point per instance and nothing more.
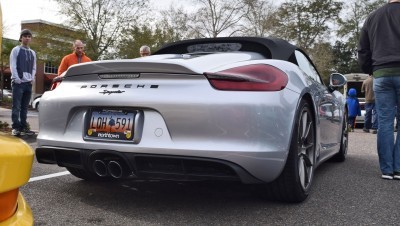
(370, 120)
(387, 96)
(374, 118)
(21, 95)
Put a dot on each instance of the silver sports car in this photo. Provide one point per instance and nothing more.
(253, 110)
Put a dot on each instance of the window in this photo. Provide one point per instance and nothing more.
(214, 47)
(306, 66)
(50, 68)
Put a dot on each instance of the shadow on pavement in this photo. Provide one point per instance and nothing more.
(29, 139)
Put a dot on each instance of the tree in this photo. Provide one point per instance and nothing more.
(351, 22)
(217, 17)
(134, 37)
(162, 36)
(322, 56)
(7, 46)
(344, 60)
(52, 41)
(102, 20)
(259, 17)
(305, 22)
(176, 21)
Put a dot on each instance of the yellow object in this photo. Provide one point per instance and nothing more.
(22, 217)
(128, 134)
(16, 158)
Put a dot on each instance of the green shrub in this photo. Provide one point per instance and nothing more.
(4, 126)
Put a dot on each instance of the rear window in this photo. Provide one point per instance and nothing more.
(357, 86)
(214, 47)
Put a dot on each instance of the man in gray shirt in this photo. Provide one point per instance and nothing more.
(23, 70)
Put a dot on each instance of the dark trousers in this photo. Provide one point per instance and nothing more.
(371, 120)
(352, 121)
(21, 95)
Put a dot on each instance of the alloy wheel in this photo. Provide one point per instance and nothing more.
(306, 149)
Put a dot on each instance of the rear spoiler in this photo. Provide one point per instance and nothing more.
(126, 66)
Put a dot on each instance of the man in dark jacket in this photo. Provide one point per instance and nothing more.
(379, 54)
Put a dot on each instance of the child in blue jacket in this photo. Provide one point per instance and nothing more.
(353, 107)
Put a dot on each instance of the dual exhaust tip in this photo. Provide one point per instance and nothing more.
(114, 168)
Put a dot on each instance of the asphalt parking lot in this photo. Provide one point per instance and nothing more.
(349, 193)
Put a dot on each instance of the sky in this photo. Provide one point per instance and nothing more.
(15, 11)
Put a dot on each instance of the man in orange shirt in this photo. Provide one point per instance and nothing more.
(78, 56)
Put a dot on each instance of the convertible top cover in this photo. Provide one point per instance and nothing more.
(271, 48)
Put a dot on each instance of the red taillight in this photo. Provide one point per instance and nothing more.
(56, 81)
(256, 77)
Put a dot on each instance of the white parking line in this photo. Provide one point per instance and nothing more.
(44, 177)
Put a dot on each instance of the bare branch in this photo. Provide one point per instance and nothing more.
(103, 20)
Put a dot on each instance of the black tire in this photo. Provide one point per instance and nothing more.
(294, 183)
(85, 175)
(344, 141)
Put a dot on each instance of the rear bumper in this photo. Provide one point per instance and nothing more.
(23, 215)
(149, 166)
(360, 119)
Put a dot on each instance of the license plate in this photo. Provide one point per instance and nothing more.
(111, 125)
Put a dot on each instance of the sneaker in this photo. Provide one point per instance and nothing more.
(374, 131)
(396, 175)
(15, 132)
(387, 176)
(366, 130)
(348, 128)
(27, 132)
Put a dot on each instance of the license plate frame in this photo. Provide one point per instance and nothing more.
(112, 125)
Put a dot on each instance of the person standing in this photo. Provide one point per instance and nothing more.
(144, 51)
(23, 70)
(78, 56)
(379, 54)
(370, 120)
(353, 107)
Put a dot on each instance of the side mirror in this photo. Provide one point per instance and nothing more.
(337, 80)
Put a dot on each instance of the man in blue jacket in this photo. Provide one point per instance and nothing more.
(379, 55)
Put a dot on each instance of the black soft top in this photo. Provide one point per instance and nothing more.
(271, 48)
